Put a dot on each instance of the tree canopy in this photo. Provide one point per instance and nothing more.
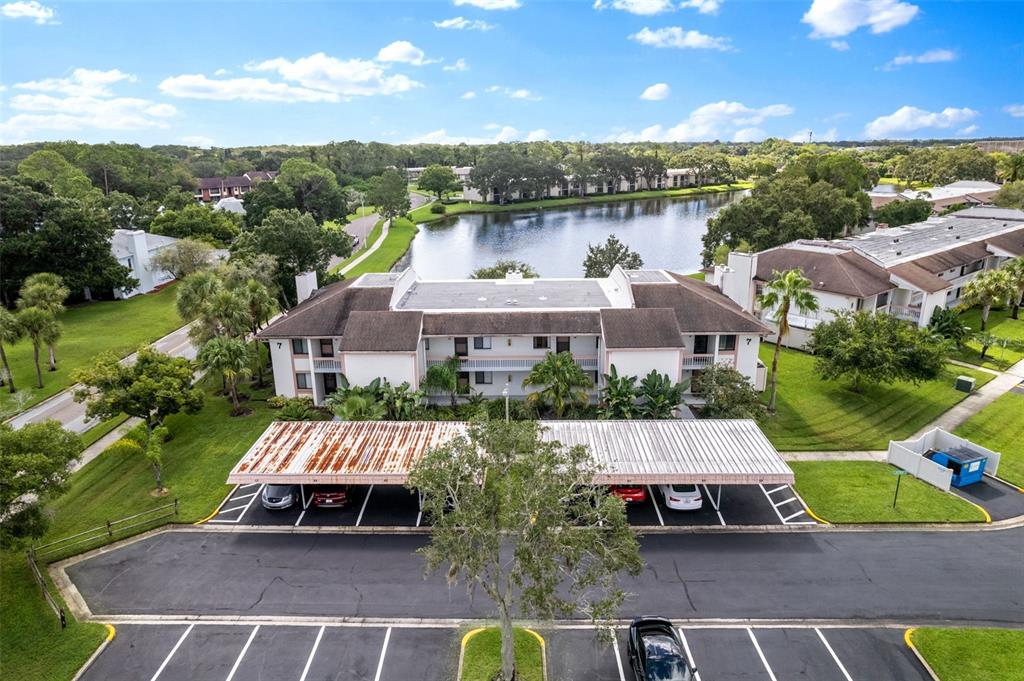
(897, 213)
(389, 192)
(502, 267)
(199, 222)
(602, 258)
(439, 180)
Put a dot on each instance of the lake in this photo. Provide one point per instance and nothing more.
(666, 232)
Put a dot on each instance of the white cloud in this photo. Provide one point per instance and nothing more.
(515, 93)
(717, 120)
(703, 6)
(1015, 110)
(464, 24)
(641, 7)
(839, 45)
(197, 141)
(749, 135)
(656, 92)
(459, 65)
(468, 95)
(83, 101)
(804, 134)
(537, 135)
(504, 134)
(674, 36)
(929, 57)
(969, 130)
(909, 118)
(838, 18)
(32, 9)
(221, 72)
(198, 86)
(403, 52)
(490, 4)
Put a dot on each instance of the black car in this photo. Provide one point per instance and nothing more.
(656, 653)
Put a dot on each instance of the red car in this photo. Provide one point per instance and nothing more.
(330, 496)
(631, 494)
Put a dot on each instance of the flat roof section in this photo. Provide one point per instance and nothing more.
(501, 294)
(714, 452)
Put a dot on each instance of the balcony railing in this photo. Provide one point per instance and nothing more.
(703, 361)
(907, 313)
(327, 365)
(509, 363)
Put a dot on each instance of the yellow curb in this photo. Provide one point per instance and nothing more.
(815, 515)
(988, 518)
(473, 632)
(219, 506)
(470, 634)
(111, 632)
(908, 639)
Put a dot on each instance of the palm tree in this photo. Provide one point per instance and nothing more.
(359, 408)
(444, 378)
(39, 327)
(46, 291)
(786, 290)
(260, 306)
(987, 289)
(10, 332)
(229, 356)
(563, 383)
(1015, 271)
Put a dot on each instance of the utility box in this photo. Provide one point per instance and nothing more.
(968, 467)
(964, 384)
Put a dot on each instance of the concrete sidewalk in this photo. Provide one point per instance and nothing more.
(361, 228)
(978, 400)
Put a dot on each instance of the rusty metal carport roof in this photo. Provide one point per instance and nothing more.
(722, 452)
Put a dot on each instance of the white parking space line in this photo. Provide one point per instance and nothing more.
(312, 654)
(304, 507)
(383, 652)
(244, 511)
(777, 489)
(783, 503)
(757, 647)
(689, 655)
(167, 659)
(363, 509)
(835, 657)
(245, 649)
(618, 657)
(790, 517)
(251, 484)
(713, 504)
(772, 504)
(243, 496)
(233, 508)
(654, 500)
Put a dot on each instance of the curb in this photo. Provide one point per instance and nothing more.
(219, 506)
(473, 632)
(111, 632)
(908, 639)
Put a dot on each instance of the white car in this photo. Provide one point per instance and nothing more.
(682, 497)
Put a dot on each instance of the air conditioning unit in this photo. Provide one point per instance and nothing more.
(964, 384)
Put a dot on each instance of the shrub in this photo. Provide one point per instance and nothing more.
(437, 208)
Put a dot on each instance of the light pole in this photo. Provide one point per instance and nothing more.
(504, 393)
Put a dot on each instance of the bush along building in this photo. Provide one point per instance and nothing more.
(395, 326)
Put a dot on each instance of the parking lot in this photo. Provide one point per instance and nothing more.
(227, 652)
(395, 506)
(999, 499)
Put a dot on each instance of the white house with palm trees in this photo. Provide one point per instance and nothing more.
(397, 326)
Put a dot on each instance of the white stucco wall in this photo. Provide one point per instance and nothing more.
(639, 363)
(284, 375)
(362, 367)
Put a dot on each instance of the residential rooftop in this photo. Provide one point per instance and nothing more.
(896, 245)
(505, 294)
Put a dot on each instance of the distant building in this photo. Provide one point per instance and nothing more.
(236, 186)
(964, 192)
(231, 205)
(135, 249)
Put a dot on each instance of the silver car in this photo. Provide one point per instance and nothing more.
(278, 497)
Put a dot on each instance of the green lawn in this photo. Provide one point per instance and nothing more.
(371, 238)
(999, 324)
(100, 429)
(32, 645)
(120, 326)
(400, 236)
(1000, 427)
(482, 659)
(972, 654)
(423, 214)
(862, 492)
(698, 275)
(818, 415)
(914, 185)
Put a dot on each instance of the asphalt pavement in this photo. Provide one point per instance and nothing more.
(905, 576)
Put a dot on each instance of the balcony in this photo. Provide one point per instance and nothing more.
(326, 365)
(509, 363)
(705, 360)
(905, 312)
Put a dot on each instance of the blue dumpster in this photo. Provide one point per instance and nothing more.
(968, 466)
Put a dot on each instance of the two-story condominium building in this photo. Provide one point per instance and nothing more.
(906, 271)
(672, 178)
(395, 326)
(213, 189)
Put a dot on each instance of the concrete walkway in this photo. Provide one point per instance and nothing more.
(369, 251)
(834, 456)
(361, 228)
(98, 447)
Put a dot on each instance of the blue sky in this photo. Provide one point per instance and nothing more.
(242, 73)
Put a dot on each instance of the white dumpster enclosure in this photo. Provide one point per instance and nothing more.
(910, 456)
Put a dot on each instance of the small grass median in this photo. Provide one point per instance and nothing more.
(1000, 427)
(972, 654)
(395, 244)
(371, 239)
(862, 492)
(481, 659)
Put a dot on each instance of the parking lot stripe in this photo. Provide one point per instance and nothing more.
(618, 657)
(757, 647)
(835, 657)
(248, 485)
(245, 648)
(245, 508)
(777, 489)
(772, 503)
(383, 652)
(689, 655)
(654, 500)
(363, 509)
(312, 654)
(302, 515)
(790, 517)
(714, 505)
(783, 503)
(233, 508)
(244, 496)
(167, 659)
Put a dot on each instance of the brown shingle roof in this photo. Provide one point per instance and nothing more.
(511, 323)
(654, 327)
(953, 258)
(1011, 243)
(841, 271)
(919, 277)
(699, 307)
(325, 312)
(382, 331)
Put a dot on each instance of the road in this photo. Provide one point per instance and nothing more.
(71, 414)
(361, 227)
(908, 577)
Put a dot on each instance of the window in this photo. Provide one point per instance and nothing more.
(330, 383)
(481, 342)
(973, 267)
(727, 343)
(700, 345)
(302, 381)
(483, 378)
(299, 346)
(326, 347)
(461, 346)
(540, 343)
(426, 343)
(463, 381)
(561, 344)
(882, 300)
(859, 304)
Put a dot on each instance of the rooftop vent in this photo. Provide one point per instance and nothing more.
(896, 240)
(543, 298)
(482, 298)
(899, 252)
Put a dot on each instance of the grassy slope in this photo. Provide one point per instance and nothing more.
(825, 415)
(862, 491)
(397, 242)
(423, 214)
(120, 326)
(483, 656)
(371, 238)
(973, 654)
(999, 324)
(1000, 427)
